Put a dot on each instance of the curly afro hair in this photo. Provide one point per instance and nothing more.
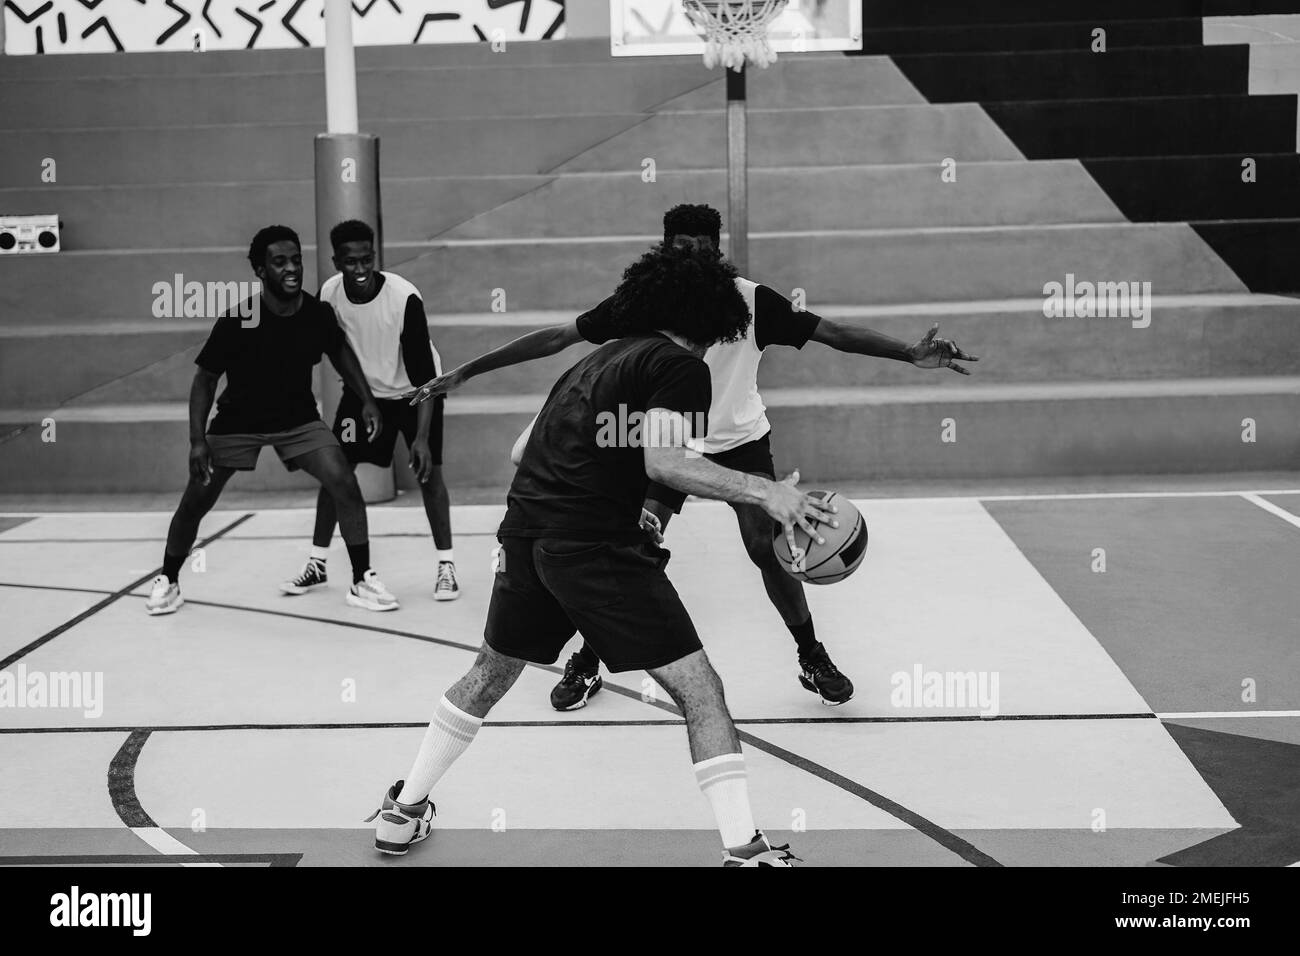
(689, 220)
(351, 230)
(267, 237)
(691, 292)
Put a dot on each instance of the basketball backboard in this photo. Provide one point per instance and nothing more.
(660, 28)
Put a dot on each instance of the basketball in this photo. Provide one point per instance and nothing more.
(839, 556)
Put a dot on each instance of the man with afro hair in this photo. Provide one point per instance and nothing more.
(739, 433)
(573, 554)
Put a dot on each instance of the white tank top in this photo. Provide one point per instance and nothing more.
(737, 414)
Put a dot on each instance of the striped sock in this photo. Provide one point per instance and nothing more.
(722, 779)
(450, 732)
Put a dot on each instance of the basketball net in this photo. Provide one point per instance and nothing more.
(735, 30)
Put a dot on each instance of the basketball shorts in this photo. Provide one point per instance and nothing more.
(753, 457)
(618, 595)
(400, 418)
(239, 451)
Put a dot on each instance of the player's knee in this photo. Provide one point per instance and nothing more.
(758, 545)
(343, 487)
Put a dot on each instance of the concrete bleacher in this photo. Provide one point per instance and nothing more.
(523, 171)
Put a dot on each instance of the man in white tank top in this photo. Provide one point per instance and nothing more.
(738, 435)
(383, 317)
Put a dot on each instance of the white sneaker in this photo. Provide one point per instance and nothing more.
(446, 588)
(397, 825)
(164, 596)
(371, 594)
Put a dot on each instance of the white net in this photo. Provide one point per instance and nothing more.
(735, 30)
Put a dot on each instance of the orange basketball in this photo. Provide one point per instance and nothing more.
(839, 556)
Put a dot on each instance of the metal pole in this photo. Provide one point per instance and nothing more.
(347, 187)
(340, 68)
(737, 189)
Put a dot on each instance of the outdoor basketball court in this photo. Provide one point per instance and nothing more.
(256, 729)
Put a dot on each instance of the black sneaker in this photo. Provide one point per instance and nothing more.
(821, 676)
(575, 686)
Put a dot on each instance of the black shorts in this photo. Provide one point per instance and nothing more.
(400, 417)
(616, 594)
(753, 457)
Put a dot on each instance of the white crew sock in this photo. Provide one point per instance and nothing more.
(319, 553)
(447, 555)
(450, 732)
(723, 780)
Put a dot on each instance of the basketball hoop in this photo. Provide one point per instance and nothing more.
(735, 30)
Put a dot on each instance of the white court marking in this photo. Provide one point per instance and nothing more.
(168, 845)
(200, 663)
(1230, 713)
(1255, 499)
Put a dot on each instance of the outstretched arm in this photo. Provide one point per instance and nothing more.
(930, 352)
(526, 348)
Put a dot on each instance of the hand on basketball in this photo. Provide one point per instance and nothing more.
(374, 421)
(441, 385)
(201, 462)
(421, 460)
(933, 352)
(791, 507)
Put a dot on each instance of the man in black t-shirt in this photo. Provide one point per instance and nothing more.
(739, 433)
(267, 349)
(572, 553)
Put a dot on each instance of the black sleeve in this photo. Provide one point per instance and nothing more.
(597, 325)
(216, 353)
(778, 322)
(417, 353)
(680, 383)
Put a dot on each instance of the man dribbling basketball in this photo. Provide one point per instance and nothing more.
(738, 435)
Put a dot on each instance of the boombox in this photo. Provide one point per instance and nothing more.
(28, 234)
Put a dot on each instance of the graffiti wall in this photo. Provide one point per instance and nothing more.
(103, 26)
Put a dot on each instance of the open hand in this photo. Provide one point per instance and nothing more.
(932, 352)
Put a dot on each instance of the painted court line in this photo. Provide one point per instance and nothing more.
(168, 845)
(1208, 714)
(116, 595)
(1255, 499)
(1079, 496)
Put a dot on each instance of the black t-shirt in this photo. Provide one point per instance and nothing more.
(581, 477)
(268, 367)
(776, 321)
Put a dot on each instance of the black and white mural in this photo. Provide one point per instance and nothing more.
(104, 26)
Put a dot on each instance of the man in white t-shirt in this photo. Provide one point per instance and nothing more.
(383, 317)
(738, 433)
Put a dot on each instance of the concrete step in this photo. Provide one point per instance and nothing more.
(1194, 188)
(817, 80)
(572, 88)
(1165, 427)
(262, 153)
(1149, 126)
(1210, 336)
(877, 266)
(808, 137)
(202, 215)
(808, 198)
(1032, 37)
(1078, 74)
(581, 204)
(512, 146)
